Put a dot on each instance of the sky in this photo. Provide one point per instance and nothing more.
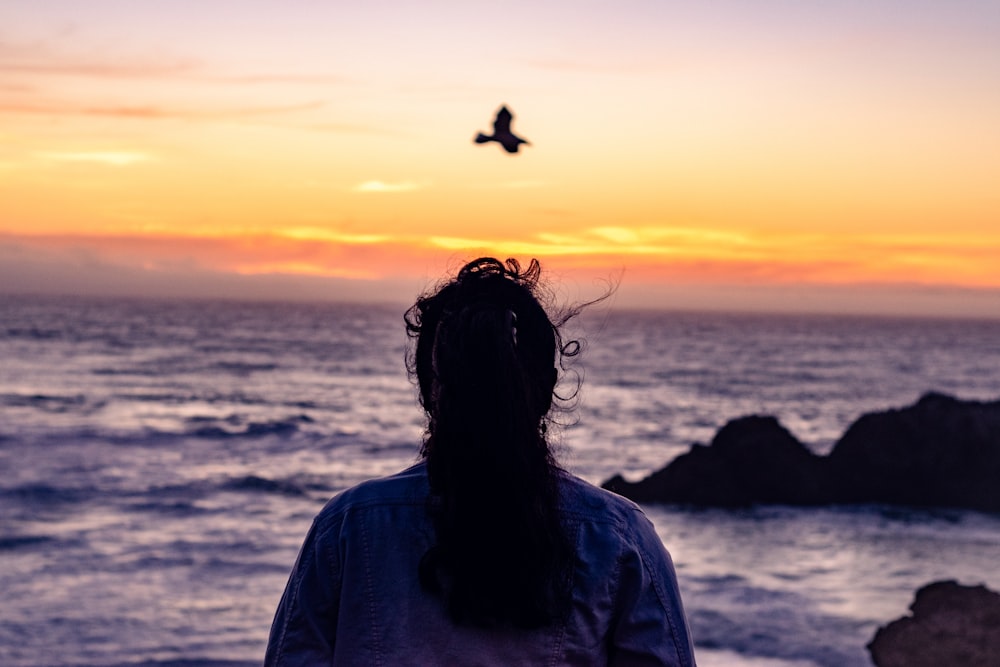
(773, 155)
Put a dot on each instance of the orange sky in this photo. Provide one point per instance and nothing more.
(848, 151)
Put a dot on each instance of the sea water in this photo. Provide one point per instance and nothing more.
(161, 461)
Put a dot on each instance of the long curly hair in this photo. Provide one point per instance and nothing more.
(485, 360)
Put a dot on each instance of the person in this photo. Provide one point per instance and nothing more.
(485, 552)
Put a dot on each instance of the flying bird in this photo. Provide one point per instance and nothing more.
(501, 132)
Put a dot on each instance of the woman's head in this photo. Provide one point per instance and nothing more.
(483, 332)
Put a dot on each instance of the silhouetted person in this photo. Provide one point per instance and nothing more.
(501, 132)
(485, 552)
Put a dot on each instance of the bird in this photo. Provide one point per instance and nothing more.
(501, 132)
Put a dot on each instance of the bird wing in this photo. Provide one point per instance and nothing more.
(502, 124)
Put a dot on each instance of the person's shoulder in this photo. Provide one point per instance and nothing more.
(610, 516)
(583, 500)
(407, 487)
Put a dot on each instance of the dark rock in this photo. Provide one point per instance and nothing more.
(939, 452)
(951, 625)
(750, 460)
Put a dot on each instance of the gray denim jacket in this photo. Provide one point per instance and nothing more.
(354, 597)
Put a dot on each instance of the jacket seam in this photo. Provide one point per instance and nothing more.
(616, 578)
(560, 641)
(370, 594)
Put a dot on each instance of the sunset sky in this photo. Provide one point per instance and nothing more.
(836, 156)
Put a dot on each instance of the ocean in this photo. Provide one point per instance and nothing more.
(161, 461)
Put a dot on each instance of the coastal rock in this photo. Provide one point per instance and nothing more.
(751, 460)
(939, 452)
(951, 625)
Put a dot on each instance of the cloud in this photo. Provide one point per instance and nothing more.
(17, 88)
(332, 264)
(153, 112)
(39, 59)
(104, 70)
(279, 78)
(32, 269)
(381, 186)
(717, 255)
(33, 75)
(71, 263)
(319, 234)
(110, 158)
(617, 234)
(187, 71)
(666, 242)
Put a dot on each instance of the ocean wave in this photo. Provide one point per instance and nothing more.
(216, 430)
(244, 368)
(631, 383)
(44, 402)
(244, 568)
(182, 395)
(789, 634)
(174, 508)
(153, 563)
(34, 333)
(162, 398)
(12, 542)
(137, 372)
(181, 499)
(255, 484)
(721, 581)
(45, 494)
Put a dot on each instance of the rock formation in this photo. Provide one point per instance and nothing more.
(951, 625)
(939, 452)
(750, 460)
